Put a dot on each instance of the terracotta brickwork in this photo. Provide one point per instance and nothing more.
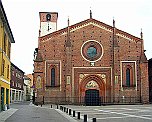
(150, 78)
(53, 18)
(104, 69)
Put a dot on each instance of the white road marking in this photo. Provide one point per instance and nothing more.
(146, 115)
(66, 116)
(129, 115)
(130, 109)
(113, 117)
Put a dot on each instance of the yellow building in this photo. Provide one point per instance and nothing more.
(6, 38)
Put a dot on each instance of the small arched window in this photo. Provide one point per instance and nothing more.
(127, 77)
(53, 77)
(48, 17)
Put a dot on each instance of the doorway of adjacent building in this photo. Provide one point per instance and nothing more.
(92, 97)
(7, 98)
(2, 98)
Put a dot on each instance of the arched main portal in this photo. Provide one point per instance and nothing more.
(92, 97)
(92, 89)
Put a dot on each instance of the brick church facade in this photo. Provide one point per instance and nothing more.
(89, 61)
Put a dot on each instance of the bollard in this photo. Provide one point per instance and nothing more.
(60, 107)
(64, 109)
(78, 115)
(85, 118)
(51, 106)
(57, 107)
(43, 100)
(73, 113)
(69, 111)
(94, 120)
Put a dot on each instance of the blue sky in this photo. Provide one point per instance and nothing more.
(23, 16)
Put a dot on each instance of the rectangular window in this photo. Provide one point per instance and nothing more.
(9, 48)
(12, 83)
(3, 67)
(13, 73)
(7, 71)
(5, 40)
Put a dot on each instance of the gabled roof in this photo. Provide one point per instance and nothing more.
(87, 22)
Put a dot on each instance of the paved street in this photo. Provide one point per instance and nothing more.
(31, 113)
(27, 112)
(115, 113)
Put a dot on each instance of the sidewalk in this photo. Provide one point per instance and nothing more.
(6, 114)
(54, 107)
(32, 113)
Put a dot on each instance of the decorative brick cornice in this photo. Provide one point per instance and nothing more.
(86, 23)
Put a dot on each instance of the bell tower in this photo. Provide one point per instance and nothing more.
(48, 23)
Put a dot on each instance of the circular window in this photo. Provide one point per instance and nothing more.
(92, 50)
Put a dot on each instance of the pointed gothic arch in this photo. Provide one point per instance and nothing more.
(98, 80)
(128, 76)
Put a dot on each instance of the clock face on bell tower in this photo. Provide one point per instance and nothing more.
(48, 22)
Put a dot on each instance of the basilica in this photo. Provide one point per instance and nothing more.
(89, 63)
